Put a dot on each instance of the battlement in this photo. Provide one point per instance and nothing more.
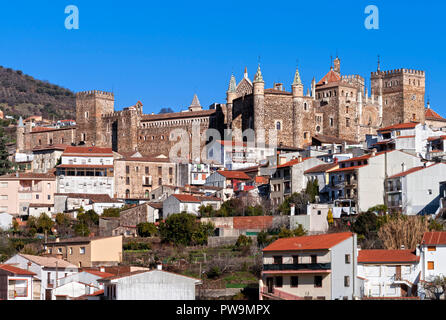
(352, 77)
(97, 93)
(398, 72)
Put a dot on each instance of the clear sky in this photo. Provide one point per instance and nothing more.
(162, 52)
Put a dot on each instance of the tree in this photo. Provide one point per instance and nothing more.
(230, 208)
(184, 229)
(81, 229)
(44, 223)
(402, 230)
(263, 239)
(63, 224)
(206, 211)
(5, 164)
(111, 212)
(146, 229)
(166, 110)
(243, 242)
(436, 286)
(312, 189)
(300, 202)
(365, 224)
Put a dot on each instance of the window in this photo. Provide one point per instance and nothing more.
(294, 282)
(347, 122)
(347, 259)
(17, 288)
(160, 181)
(4, 197)
(277, 259)
(147, 170)
(279, 282)
(278, 125)
(3, 184)
(431, 248)
(314, 259)
(127, 169)
(127, 181)
(49, 197)
(170, 171)
(429, 191)
(295, 259)
(37, 196)
(318, 281)
(82, 250)
(70, 250)
(59, 250)
(346, 281)
(346, 109)
(430, 265)
(331, 122)
(160, 170)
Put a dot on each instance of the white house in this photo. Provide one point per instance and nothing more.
(411, 137)
(416, 191)
(72, 201)
(361, 179)
(86, 170)
(5, 221)
(389, 273)
(315, 221)
(319, 267)
(149, 285)
(433, 255)
(16, 283)
(47, 269)
(177, 203)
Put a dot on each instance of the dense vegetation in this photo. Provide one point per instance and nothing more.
(22, 95)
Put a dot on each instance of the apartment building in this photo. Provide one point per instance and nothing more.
(319, 267)
(177, 203)
(361, 179)
(86, 170)
(19, 191)
(289, 178)
(416, 191)
(87, 252)
(136, 176)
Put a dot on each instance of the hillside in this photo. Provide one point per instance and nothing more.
(22, 95)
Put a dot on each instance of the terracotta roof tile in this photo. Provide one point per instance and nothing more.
(321, 168)
(387, 256)
(16, 271)
(432, 115)
(70, 150)
(316, 242)
(434, 237)
(49, 262)
(331, 76)
(412, 170)
(234, 175)
(292, 162)
(186, 198)
(99, 273)
(409, 125)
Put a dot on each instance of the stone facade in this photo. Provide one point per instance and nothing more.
(137, 176)
(338, 106)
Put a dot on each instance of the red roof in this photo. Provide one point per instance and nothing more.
(87, 151)
(429, 113)
(436, 138)
(316, 242)
(234, 175)
(387, 256)
(321, 168)
(407, 172)
(99, 273)
(348, 168)
(186, 198)
(409, 125)
(434, 237)
(15, 270)
(331, 76)
(292, 162)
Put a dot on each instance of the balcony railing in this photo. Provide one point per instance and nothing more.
(30, 189)
(297, 267)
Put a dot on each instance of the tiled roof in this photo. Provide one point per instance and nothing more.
(49, 262)
(51, 147)
(79, 240)
(156, 205)
(234, 175)
(412, 170)
(88, 151)
(316, 242)
(29, 176)
(46, 129)
(432, 115)
(123, 275)
(331, 76)
(186, 198)
(321, 168)
(292, 162)
(99, 273)
(276, 91)
(206, 198)
(98, 198)
(16, 271)
(40, 205)
(409, 125)
(329, 139)
(387, 256)
(436, 138)
(434, 237)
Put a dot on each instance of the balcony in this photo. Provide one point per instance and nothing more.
(297, 267)
(30, 189)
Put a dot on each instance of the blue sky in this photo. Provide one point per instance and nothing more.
(163, 52)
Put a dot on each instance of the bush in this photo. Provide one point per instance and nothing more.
(243, 242)
(214, 272)
(137, 246)
(146, 229)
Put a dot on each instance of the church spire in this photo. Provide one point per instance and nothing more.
(297, 80)
(232, 84)
(258, 76)
(245, 75)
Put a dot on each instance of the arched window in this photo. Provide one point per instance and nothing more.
(147, 193)
(278, 125)
(127, 193)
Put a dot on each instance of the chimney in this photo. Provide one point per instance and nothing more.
(159, 267)
(403, 167)
(373, 152)
(402, 247)
(300, 158)
(278, 86)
